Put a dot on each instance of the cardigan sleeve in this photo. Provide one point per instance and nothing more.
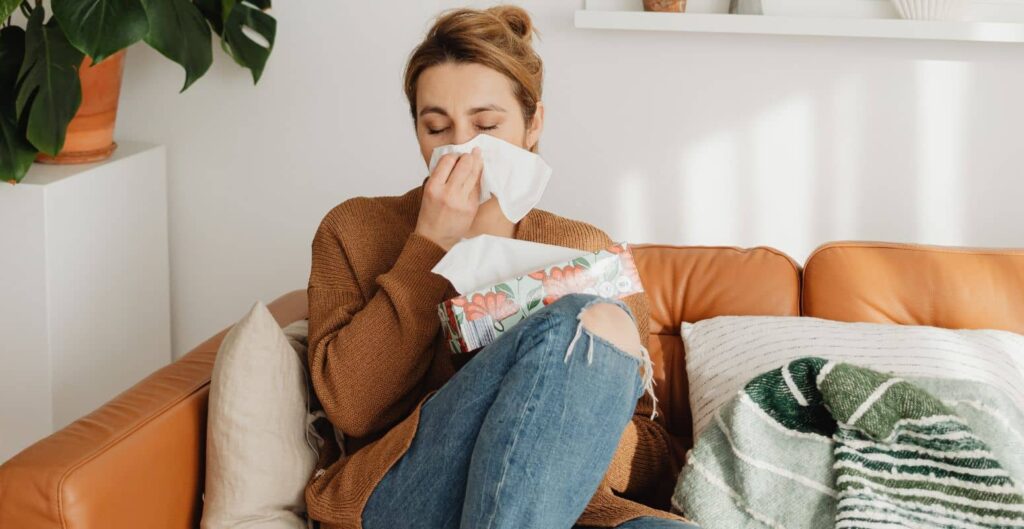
(367, 356)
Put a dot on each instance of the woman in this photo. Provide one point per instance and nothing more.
(527, 434)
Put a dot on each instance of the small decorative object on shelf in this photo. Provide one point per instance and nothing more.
(931, 9)
(667, 6)
(749, 7)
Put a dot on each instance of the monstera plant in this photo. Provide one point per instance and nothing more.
(40, 89)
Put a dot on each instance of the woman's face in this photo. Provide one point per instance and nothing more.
(457, 101)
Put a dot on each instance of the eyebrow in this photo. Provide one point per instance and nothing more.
(474, 110)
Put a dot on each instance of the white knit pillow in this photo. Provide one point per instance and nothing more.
(258, 457)
(724, 353)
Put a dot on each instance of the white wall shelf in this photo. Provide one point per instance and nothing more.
(825, 27)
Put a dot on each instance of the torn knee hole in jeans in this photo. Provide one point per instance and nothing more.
(645, 357)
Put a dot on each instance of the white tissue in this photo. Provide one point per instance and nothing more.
(484, 260)
(515, 175)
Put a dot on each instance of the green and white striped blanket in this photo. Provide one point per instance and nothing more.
(819, 444)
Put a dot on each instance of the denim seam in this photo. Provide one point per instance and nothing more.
(508, 452)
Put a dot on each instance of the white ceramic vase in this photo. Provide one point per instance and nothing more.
(930, 9)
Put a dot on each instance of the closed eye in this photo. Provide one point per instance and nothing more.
(439, 131)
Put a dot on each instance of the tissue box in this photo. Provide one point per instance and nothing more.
(477, 318)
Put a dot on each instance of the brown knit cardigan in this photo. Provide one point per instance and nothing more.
(376, 352)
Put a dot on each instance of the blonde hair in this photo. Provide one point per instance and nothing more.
(499, 37)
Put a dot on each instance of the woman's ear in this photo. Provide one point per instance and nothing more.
(535, 127)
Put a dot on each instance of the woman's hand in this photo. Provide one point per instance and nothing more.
(451, 197)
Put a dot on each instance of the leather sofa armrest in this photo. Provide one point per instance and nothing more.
(137, 461)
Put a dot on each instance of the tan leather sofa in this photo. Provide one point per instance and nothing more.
(137, 462)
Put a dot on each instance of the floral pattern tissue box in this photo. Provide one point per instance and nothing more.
(478, 318)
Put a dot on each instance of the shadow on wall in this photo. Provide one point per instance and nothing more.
(890, 146)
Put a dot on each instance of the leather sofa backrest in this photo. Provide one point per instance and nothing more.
(957, 288)
(691, 283)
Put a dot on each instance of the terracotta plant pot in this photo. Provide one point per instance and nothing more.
(90, 136)
(668, 6)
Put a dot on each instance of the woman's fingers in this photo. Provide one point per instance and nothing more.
(462, 172)
(447, 211)
(457, 177)
(474, 192)
(472, 183)
(439, 176)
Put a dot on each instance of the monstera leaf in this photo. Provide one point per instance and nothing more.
(16, 153)
(178, 30)
(246, 30)
(101, 28)
(248, 52)
(7, 7)
(213, 11)
(49, 90)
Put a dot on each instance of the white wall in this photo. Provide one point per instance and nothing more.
(673, 138)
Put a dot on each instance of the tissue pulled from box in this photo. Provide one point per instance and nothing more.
(487, 259)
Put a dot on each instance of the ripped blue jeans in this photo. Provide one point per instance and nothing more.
(522, 435)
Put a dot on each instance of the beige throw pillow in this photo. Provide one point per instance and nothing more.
(258, 457)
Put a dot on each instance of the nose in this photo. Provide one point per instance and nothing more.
(463, 133)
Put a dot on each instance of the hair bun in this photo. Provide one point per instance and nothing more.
(516, 18)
